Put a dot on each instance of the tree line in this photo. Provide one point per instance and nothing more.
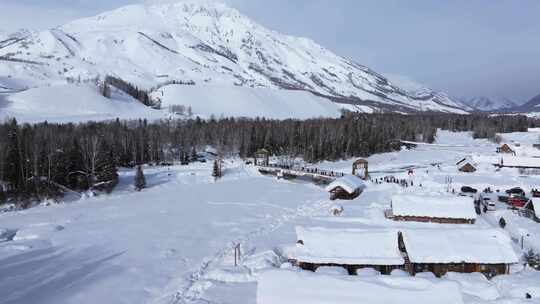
(45, 160)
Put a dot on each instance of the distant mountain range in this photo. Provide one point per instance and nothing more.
(492, 103)
(532, 105)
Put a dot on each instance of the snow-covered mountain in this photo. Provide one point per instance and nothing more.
(532, 105)
(421, 91)
(491, 103)
(201, 43)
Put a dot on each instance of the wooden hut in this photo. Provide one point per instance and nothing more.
(434, 209)
(466, 164)
(505, 148)
(351, 249)
(488, 251)
(347, 187)
(519, 162)
(262, 157)
(360, 168)
(532, 209)
(281, 286)
(467, 167)
(6, 187)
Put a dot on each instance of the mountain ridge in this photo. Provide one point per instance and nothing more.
(491, 103)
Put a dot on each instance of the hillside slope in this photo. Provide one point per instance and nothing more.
(72, 103)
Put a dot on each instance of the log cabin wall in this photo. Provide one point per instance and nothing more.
(425, 219)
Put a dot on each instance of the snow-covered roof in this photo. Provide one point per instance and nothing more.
(454, 207)
(486, 246)
(348, 246)
(349, 183)
(465, 160)
(303, 287)
(211, 150)
(519, 162)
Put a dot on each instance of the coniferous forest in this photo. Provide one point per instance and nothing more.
(47, 160)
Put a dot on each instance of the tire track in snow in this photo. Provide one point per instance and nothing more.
(194, 291)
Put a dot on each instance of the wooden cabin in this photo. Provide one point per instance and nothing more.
(505, 148)
(347, 187)
(262, 157)
(433, 209)
(467, 167)
(351, 249)
(360, 168)
(532, 209)
(282, 286)
(519, 162)
(488, 251)
(6, 187)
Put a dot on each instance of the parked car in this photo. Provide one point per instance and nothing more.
(487, 202)
(503, 198)
(517, 201)
(515, 191)
(468, 191)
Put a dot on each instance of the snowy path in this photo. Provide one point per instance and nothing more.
(195, 290)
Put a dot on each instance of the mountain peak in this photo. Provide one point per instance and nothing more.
(205, 43)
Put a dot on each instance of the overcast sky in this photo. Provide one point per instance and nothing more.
(464, 47)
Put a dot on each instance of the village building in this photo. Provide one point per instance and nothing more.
(5, 186)
(211, 151)
(347, 187)
(468, 168)
(262, 157)
(434, 209)
(360, 168)
(302, 287)
(505, 148)
(519, 162)
(488, 251)
(466, 165)
(351, 249)
(532, 209)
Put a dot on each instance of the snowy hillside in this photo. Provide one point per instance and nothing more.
(250, 102)
(493, 103)
(69, 103)
(201, 43)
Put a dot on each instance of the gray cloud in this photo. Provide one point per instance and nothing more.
(480, 47)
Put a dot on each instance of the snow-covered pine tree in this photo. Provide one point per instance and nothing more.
(140, 180)
(216, 172)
